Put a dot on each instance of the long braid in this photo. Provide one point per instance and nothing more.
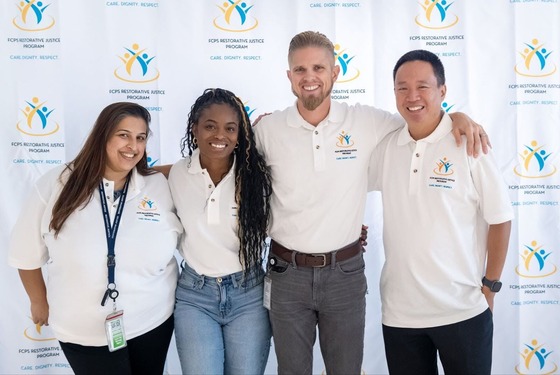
(252, 177)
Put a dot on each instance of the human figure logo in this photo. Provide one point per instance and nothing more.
(235, 17)
(32, 16)
(436, 15)
(535, 262)
(536, 360)
(535, 60)
(136, 66)
(343, 59)
(36, 120)
(534, 162)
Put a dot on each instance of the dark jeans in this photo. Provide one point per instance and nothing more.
(144, 354)
(464, 348)
(331, 298)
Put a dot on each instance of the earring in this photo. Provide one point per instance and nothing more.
(236, 146)
(195, 141)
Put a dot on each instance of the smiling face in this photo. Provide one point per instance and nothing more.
(125, 147)
(216, 132)
(419, 97)
(312, 75)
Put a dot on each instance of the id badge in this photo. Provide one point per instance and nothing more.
(267, 292)
(114, 327)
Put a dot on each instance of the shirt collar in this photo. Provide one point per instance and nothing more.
(444, 127)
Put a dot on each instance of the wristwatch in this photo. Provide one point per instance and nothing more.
(493, 285)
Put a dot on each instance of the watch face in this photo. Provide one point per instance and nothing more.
(496, 286)
(493, 285)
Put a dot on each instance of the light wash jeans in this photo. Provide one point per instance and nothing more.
(221, 326)
(332, 298)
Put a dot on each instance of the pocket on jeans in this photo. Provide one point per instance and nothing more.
(352, 266)
(186, 281)
(276, 265)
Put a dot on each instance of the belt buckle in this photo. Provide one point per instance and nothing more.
(324, 256)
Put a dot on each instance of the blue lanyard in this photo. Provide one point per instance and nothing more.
(111, 234)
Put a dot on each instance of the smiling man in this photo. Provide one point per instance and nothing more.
(446, 231)
(319, 151)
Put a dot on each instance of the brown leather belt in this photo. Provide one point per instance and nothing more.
(315, 260)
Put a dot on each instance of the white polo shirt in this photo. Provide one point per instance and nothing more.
(319, 173)
(76, 261)
(437, 205)
(208, 213)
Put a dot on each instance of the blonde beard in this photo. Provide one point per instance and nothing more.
(311, 103)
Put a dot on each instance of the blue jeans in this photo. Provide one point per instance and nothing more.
(465, 348)
(331, 298)
(221, 326)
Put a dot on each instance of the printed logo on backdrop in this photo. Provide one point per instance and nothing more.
(41, 336)
(534, 162)
(136, 65)
(249, 109)
(37, 122)
(535, 262)
(37, 332)
(436, 14)
(446, 106)
(535, 165)
(348, 72)
(345, 149)
(535, 359)
(33, 16)
(535, 60)
(436, 17)
(235, 16)
(36, 119)
(151, 161)
(235, 19)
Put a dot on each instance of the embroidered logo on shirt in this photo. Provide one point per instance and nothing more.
(147, 210)
(442, 171)
(345, 144)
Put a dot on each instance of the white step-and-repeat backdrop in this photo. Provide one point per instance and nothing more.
(62, 61)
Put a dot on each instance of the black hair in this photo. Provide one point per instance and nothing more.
(423, 55)
(252, 176)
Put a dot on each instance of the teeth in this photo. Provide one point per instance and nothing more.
(128, 155)
(218, 146)
(417, 108)
(311, 88)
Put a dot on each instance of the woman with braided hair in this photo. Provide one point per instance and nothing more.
(221, 190)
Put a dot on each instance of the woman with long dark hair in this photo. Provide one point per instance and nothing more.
(104, 226)
(221, 189)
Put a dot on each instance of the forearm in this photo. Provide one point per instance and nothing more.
(34, 285)
(497, 246)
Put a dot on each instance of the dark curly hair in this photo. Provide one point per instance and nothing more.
(252, 176)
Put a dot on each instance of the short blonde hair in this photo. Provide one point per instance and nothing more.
(310, 39)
